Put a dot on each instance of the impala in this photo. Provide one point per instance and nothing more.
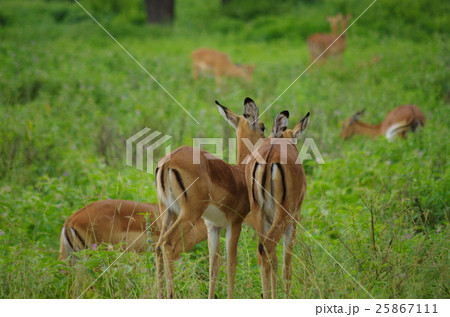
(205, 59)
(318, 43)
(398, 122)
(117, 222)
(210, 189)
(277, 185)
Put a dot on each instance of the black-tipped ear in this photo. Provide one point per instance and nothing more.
(301, 126)
(285, 113)
(356, 116)
(232, 119)
(251, 111)
(280, 124)
(305, 121)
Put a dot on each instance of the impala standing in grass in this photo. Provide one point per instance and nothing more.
(277, 185)
(208, 188)
(318, 43)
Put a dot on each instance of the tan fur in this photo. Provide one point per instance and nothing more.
(205, 59)
(276, 188)
(117, 222)
(219, 185)
(407, 117)
(318, 43)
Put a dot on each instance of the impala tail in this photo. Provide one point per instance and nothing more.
(170, 186)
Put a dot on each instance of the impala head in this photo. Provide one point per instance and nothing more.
(334, 19)
(349, 126)
(280, 124)
(247, 71)
(248, 125)
(345, 20)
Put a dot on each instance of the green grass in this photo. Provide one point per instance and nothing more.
(69, 97)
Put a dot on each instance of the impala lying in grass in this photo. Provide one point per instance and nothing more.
(118, 222)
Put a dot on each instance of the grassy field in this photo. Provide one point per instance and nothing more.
(69, 97)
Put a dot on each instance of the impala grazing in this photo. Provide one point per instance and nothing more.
(318, 43)
(277, 185)
(210, 189)
(205, 59)
(398, 122)
(117, 222)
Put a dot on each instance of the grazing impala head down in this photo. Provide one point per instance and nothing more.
(210, 189)
(277, 186)
(209, 60)
(398, 122)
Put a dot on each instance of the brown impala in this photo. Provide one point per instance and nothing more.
(318, 43)
(118, 222)
(210, 189)
(398, 122)
(205, 59)
(277, 185)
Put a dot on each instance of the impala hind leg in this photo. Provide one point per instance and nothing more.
(165, 223)
(263, 227)
(233, 232)
(214, 253)
(269, 248)
(288, 246)
(171, 239)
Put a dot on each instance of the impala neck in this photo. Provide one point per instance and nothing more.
(235, 71)
(334, 26)
(344, 26)
(367, 129)
(242, 152)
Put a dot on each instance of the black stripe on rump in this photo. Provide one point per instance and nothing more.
(79, 237)
(253, 180)
(68, 238)
(283, 180)
(180, 181)
(156, 175)
(264, 176)
(161, 179)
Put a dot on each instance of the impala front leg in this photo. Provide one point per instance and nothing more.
(233, 232)
(214, 253)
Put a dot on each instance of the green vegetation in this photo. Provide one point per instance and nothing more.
(69, 97)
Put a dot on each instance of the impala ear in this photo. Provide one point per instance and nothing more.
(232, 118)
(251, 112)
(300, 127)
(356, 116)
(280, 124)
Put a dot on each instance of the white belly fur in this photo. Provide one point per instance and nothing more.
(215, 216)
